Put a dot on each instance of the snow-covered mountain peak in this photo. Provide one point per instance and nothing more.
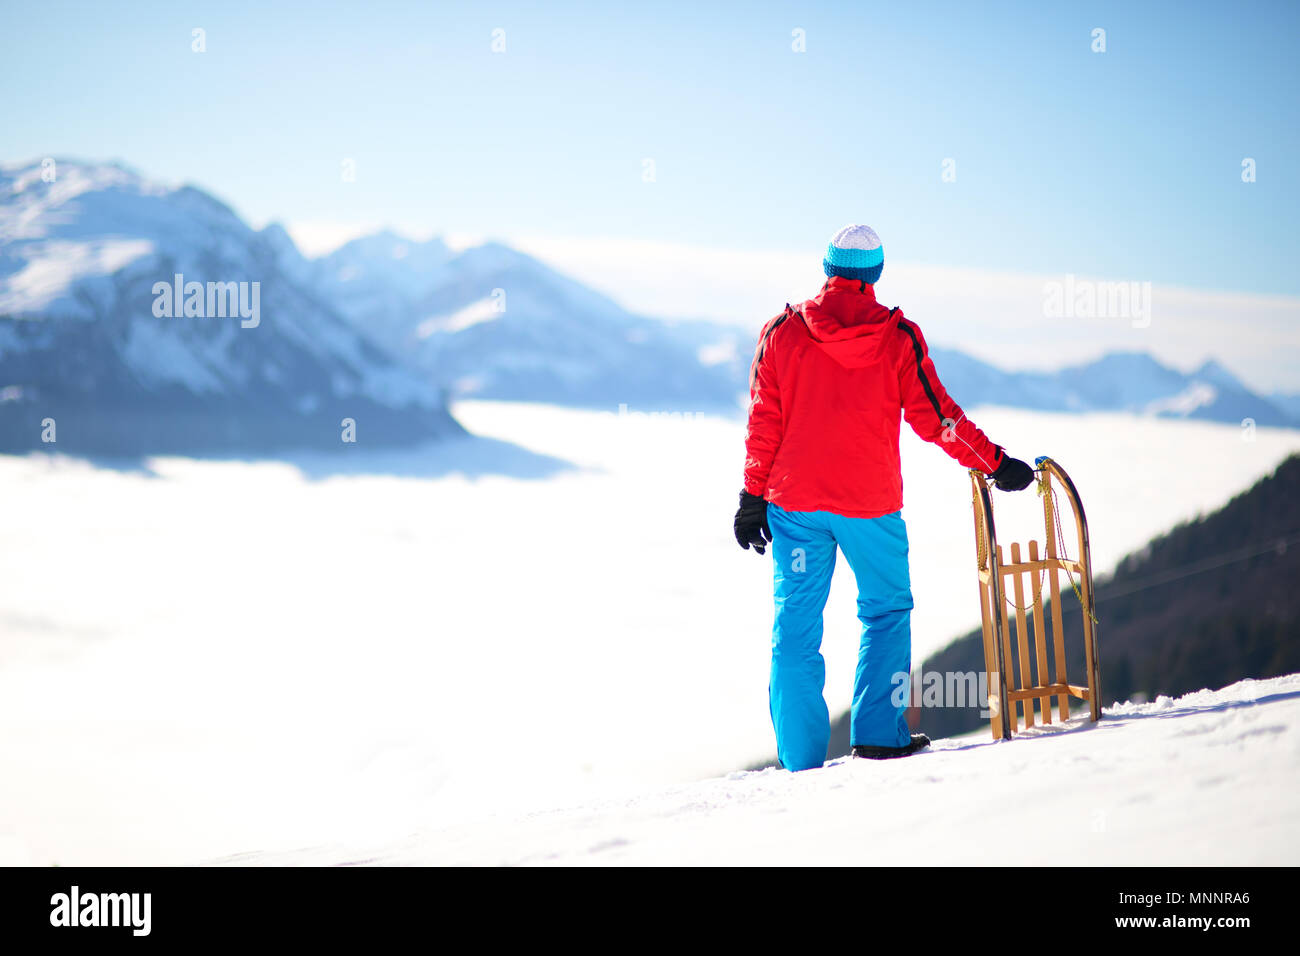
(257, 357)
(32, 194)
(68, 177)
(1215, 373)
(388, 256)
(493, 321)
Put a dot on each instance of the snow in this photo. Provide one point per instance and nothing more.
(200, 659)
(26, 214)
(51, 268)
(483, 310)
(160, 355)
(1197, 395)
(1206, 779)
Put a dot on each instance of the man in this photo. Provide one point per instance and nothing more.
(827, 387)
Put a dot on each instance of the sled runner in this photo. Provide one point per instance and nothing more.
(1006, 660)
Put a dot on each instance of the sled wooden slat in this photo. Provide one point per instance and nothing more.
(1089, 640)
(990, 663)
(1018, 675)
(1037, 567)
(1000, 711)
(1022, 636)
(1071, 689)
(1008, 661)
(990, 666)
(1040, 639)
(1054, 593)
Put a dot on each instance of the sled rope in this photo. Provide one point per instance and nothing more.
(1060, 544)
(982, 550)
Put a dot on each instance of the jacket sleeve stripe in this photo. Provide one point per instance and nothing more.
(920, 369)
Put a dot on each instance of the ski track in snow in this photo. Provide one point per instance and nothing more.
(202, 659)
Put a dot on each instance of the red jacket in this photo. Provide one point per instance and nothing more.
(826, 389)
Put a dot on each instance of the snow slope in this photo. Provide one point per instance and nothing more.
(209, 657)
(1207, 779)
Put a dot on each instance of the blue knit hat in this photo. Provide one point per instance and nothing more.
(855, 252)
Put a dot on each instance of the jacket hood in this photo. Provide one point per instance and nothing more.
(847, 322)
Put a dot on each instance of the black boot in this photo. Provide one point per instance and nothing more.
(919, 742)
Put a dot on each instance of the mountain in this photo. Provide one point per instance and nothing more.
(492, 322)
(1116, 382)
(378, 332)
(496, 323)
(376, 281)
(1210, 602)
(100, 351)
(1289, 402)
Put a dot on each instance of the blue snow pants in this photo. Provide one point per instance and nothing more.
(803, 552)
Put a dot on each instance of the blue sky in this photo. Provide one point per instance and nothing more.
(1124, 164)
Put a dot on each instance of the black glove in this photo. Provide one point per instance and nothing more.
(1013, 474)
(751, 523)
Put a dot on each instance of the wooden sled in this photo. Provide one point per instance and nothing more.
(1007, 663)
